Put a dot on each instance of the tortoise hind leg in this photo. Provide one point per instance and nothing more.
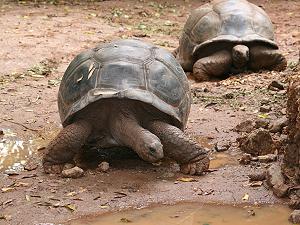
(215, 65)
(193, 159)
(65, 145)
(263, 57)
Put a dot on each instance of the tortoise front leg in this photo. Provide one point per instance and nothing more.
(193, 159)
(65, 145)
(216, 65)
(263, 57)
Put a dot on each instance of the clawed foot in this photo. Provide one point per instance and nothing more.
(195, 168)
(280, 66)
(52, 168)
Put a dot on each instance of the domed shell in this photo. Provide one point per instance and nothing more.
(237, 21)
(129, 69)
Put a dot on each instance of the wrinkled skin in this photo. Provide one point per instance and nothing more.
(115, 122)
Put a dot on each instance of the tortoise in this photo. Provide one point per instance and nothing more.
(125, 93)
(228, 36)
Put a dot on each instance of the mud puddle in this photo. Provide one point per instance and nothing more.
(194, 214)
(222, 159)
(14, 151)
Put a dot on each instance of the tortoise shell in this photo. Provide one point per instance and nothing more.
(129, 69)
(235, 21)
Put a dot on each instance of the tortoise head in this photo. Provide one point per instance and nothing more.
(240, 56)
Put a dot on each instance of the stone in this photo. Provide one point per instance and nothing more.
(258, 142)
(103, 166)
(276, 84)
(74, 172)
(261, 123)
(265, 109)
(222, 146)
(294, 202)
(257, 176)
(245, 126)
(278, 125)
(295, 216)
(228, 95)
(246, 159)
(276, 181)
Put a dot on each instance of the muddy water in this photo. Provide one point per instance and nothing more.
(218, 159)
(14, 151)
(221, 159)
(195, 214)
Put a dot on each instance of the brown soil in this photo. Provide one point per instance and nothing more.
(38, 40)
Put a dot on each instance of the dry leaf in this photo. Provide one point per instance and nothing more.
(70, 207)
(103, 206)
(7, 189)
(246, 197)
(125, 220)
(186, 179)
(27, 197)
(72, 193)
(256, 184)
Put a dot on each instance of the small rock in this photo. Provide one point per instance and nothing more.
(1, 132)
(294, 202)
(222, 146)
(205, 89)
(275, 180)
(265, 109)
(267, 158)
(277, 84)
(274, 89)
(74, 172)
(264, 101)
(295, 216)
(257, 176)
(103, 167)
(261, 123)
(245, 126)
(283, 111)
(228, 95)
(258, 142)
(277, 125)
(246, 159)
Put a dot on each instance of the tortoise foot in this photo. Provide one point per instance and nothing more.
(196, 167)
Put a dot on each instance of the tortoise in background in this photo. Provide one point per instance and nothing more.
(125, 93)
(228, 36)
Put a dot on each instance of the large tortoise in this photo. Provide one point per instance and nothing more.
(228, 36)
(125, 93)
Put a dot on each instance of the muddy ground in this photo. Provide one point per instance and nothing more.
(38, 40)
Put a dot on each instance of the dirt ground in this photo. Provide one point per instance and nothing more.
(38, 40)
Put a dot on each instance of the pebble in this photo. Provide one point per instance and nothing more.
(295, 216)
(277, 84)
(246, 159)
(74, 172)
(277, 125)
(265, 109)
(103, 167)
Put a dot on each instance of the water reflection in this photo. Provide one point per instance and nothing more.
(194, 214)
(14, 151)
